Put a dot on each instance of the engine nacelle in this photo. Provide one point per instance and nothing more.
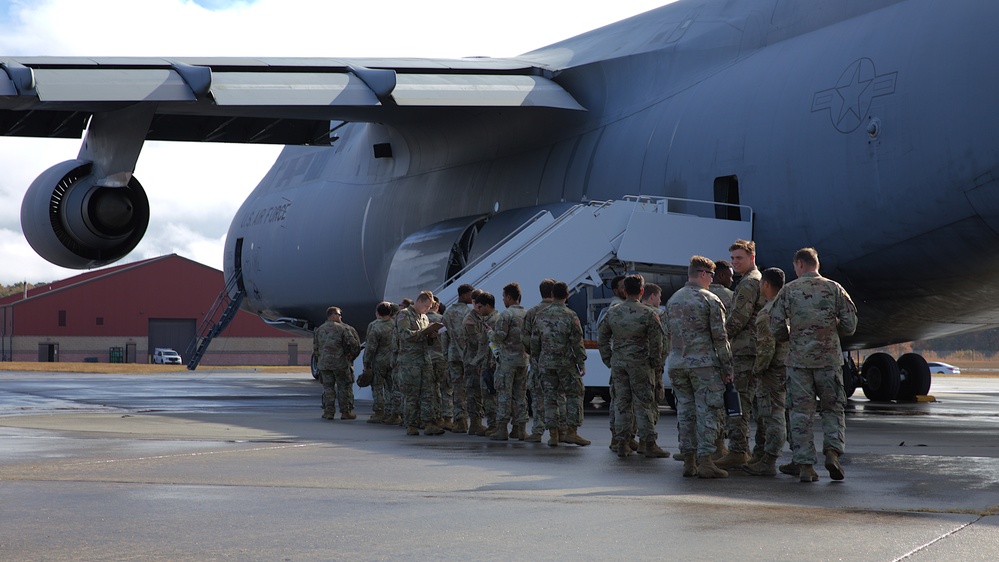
(72, 222)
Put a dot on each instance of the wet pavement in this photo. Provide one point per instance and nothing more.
(240, 466)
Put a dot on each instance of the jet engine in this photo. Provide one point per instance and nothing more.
(72, 222)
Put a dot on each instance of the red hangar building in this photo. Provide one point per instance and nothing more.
(123, 313)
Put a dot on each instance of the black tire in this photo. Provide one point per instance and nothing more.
(671, 398)
(881, 377)
(315, 366)
(915, 375)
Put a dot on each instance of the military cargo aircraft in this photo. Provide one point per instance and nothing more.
(864, 129)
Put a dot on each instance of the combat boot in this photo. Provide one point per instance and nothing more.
(654, 451)
(832, 464)
(553, 437)
(348, 416)
(573, 438)
(790, 468)
(500, 434)
(807, 473)
(633, 444)
(641, 448)
(534, 438)
(756, 457)
(689, 464)
(519, 432)
(614, 443)
(720, 449)
(328, 415)
(444, 424)
(490, 430)
(376, 417)
(412, 430)
(460, 426)
(431, 428)
(766, 466)
(706, 468)
(623, 448)
(732, 460)
(475, 427)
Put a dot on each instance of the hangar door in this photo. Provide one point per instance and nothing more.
(175, 333)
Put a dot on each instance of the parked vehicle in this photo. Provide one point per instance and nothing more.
(166, 356)
(943, 368)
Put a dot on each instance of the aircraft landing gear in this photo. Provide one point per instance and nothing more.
(884, 379)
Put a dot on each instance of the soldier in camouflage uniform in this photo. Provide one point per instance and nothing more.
(393, 394)
(416, 374)
(442, 383)
(454, 318)
(771, 373)
(558, 337)
(378, 349)
(469, 332)
(635, 333)
(533, 376)
(484, 361)
(652, 298)
(812, 312)
(511, 373)
(722, 282)
(617, 287)
(700, 362)
(337, 345)
(740, 323)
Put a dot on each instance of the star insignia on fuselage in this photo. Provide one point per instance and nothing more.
(850, 99)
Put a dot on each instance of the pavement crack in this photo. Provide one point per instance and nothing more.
(953, 532)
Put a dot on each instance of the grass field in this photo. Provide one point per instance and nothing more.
(133, 368)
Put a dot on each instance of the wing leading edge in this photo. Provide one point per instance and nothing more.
(277, 101)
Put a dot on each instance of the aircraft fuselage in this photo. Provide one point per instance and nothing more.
(865, 132)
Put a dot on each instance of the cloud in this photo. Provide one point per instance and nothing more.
(194, 189)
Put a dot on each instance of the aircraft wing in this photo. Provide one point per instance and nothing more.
(262, 100)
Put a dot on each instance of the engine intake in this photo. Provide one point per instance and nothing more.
(72, 222)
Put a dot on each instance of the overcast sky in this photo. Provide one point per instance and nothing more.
(195, 189)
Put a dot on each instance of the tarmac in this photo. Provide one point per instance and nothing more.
(240, 466)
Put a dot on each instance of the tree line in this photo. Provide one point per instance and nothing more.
(17, 288)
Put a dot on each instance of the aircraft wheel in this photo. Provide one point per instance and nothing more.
(915, 374)
(881, 377)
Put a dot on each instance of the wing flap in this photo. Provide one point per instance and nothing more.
(110, 85)
(290, 88)
(286, 101)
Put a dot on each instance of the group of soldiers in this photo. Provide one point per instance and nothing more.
(779, 345)
(467, 368)
(464, 368)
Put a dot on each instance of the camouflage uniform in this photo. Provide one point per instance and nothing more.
(533, 375)
(612, 412)
(558, 337)
(812, 312)
(453, 320)
(699, 356)
(740, 325)
(378, 350)
(485, 361)
(771, 373)
(337, 345)
(636, 333)
(724, 294)
(511, 374)
(416, 374)
(442, 383)
(471, 329)
(657, 376)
